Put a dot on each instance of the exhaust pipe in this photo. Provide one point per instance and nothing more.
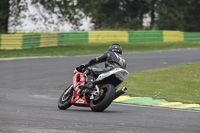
(120, 92)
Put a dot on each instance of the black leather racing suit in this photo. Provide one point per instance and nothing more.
(112, 60)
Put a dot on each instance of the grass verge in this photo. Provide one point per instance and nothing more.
(86, 49)
(176, 84)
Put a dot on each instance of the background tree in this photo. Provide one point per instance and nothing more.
(152, 6)
(12, 13)
(104, 14)
(58, 12)
(178, 15)
(115, 14)
(4, 7)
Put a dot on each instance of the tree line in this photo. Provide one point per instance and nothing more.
(183, 15)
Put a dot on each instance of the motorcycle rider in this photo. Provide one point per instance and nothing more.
(112, 58)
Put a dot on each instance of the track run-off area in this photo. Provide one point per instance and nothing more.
(30, 88)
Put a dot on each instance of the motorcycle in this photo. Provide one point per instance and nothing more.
(100, 97)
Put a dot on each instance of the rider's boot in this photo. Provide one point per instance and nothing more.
(89, 85)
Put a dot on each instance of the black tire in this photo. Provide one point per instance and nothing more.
(105, 98)
(64, 101)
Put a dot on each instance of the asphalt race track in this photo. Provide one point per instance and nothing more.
(30, 88)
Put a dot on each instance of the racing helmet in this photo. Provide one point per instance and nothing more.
(115, 48)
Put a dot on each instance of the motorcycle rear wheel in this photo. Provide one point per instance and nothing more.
(64, 101)
(105, 99)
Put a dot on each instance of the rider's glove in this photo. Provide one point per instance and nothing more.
(81, 68)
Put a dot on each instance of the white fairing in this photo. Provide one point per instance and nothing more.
(119, 73)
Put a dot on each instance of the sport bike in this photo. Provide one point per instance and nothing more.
(98, 98)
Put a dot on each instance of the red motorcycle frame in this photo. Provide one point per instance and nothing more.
(76, 99)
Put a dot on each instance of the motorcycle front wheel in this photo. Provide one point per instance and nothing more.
(64, 101)
(101, 102)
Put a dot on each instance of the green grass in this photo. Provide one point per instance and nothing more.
(86, 49)
(177, 83)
